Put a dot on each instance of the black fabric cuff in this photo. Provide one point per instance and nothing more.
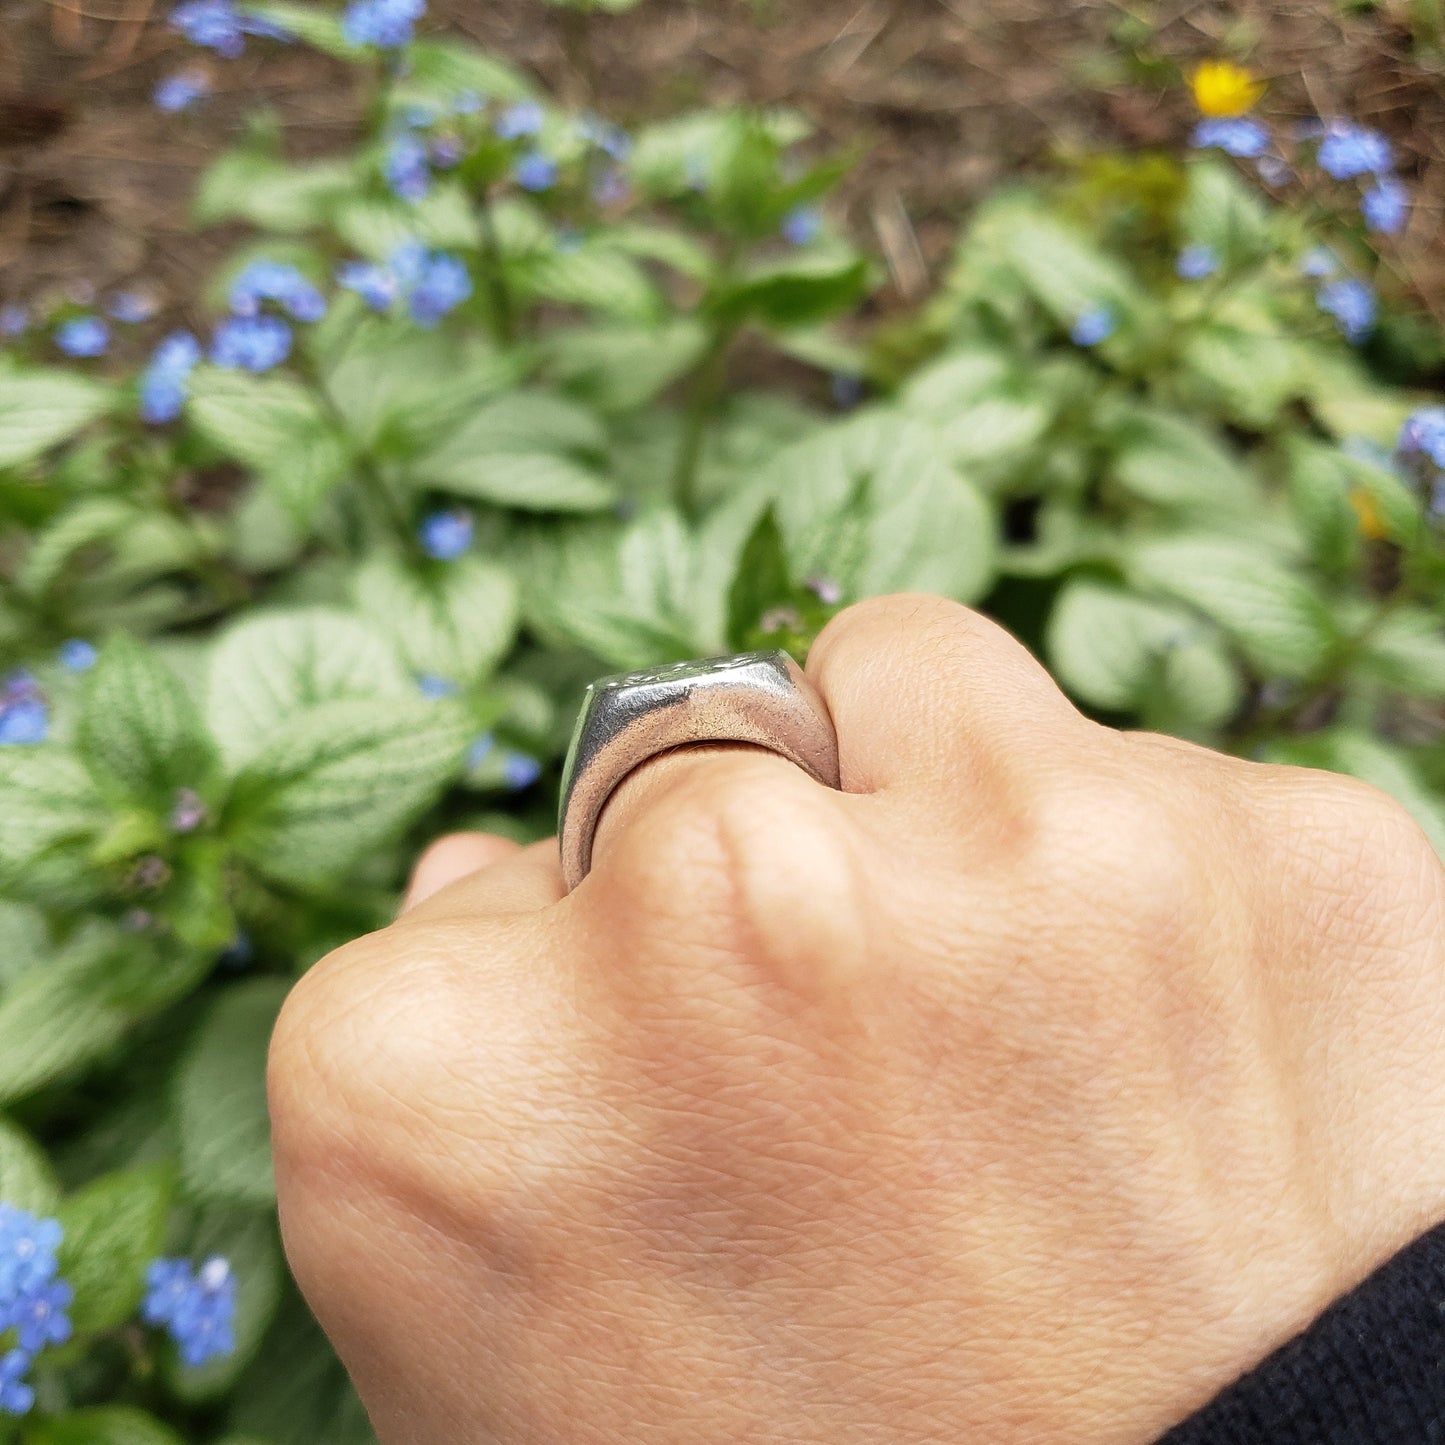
(1369, 1371)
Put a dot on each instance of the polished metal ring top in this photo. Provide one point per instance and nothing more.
(761, 698)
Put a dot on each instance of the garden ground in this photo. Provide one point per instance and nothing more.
(948, 96)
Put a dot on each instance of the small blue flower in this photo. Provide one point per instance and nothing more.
(387, 24)
(1273, 171)
(197, 1308)
(251, 343)
(568, 240)
(1424, 433)
(164, 384)
(443, 286)
(802, 225)
(13, 320)
(213, 24)
(445, 152)
(83, 336)
(1196, 262)
(611, 139)
(522, 118)
(520, 770)
(1091, 327)
(408, 175)
(131, 308)
(266, 280)
(16, 1397)
(429, 685)
(1386, 206)
(696, 172)
(376, 285)
(23, 723)
(611, 188)
(825, 589)
(535, 172)
(1235, 136)
(1352, 303)
(480, 750)
(467, 102)
(1319, 262)
(444, 536)
(38, 1316)
(77, 655)
(180, 91)
(1350, 150)
(188, 811)
(28, 1248)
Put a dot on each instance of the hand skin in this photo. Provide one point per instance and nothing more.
(1028, 1090)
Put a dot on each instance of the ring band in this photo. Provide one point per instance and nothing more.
(760, 698)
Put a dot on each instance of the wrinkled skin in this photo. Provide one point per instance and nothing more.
(1028, 1090)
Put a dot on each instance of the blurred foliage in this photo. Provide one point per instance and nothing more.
(583, 401)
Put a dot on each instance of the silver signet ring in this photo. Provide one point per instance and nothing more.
(760, 698)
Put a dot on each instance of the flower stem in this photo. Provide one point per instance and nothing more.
(504, 322)
(703, 391)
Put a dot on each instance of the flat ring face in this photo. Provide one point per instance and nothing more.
(760, 698)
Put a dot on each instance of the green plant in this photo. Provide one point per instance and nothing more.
(472, 429)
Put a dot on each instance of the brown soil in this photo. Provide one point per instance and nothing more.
(949, 97)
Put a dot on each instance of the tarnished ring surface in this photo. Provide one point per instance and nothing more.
(760, 698)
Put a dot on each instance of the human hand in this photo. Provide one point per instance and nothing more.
(1028, 1090)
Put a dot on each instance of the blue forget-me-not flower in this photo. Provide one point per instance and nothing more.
(16, 1396)
(1234, 135)
(33, 1301)
(196, 1307)
(535, 172)
(83, 336)
(520, 770)
(77, 655)
(180, 91)
(24, 719)
(387, 24)
(1424, 434)
(801, 225)
(1348, 150)
(1352, 303)
(131, 308)
(1386, 206)
(1091, 327)
(266, 280)
(1194, 263)
(14, 318)
(218, 25)
(433, 282)
(406, 166)
(165, 384)
(251, 343)
(522, 118)
(444, 536)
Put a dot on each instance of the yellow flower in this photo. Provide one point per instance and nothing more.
(1222, 88)
(1367, 510)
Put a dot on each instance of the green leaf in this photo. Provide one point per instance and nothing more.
(40, 408)
(986, 416)
(252, 183)
(1110, 649)
(269, 667)
(596, 275)
(762, 579)
(1220, 211)
(456, 622)
(86, 523)
(220, 1099)
(1279, 622)
(246, 1240)
(1248, 376)
(57, 1019)
(617, 367)
(105, 1425)
(442, 69)
(1406, 651)
(51, 810)
(114, 1227)
(525, 420)
(26, 1179)
(1319, 487)
(273, 425)
(1174, 463)
(140, 734)
(794, 290)
(318, 28)
(339, 781)
(530, 481)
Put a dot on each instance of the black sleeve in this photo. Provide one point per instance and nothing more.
(1369, 1371)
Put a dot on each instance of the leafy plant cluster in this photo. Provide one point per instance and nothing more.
(505, 397)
